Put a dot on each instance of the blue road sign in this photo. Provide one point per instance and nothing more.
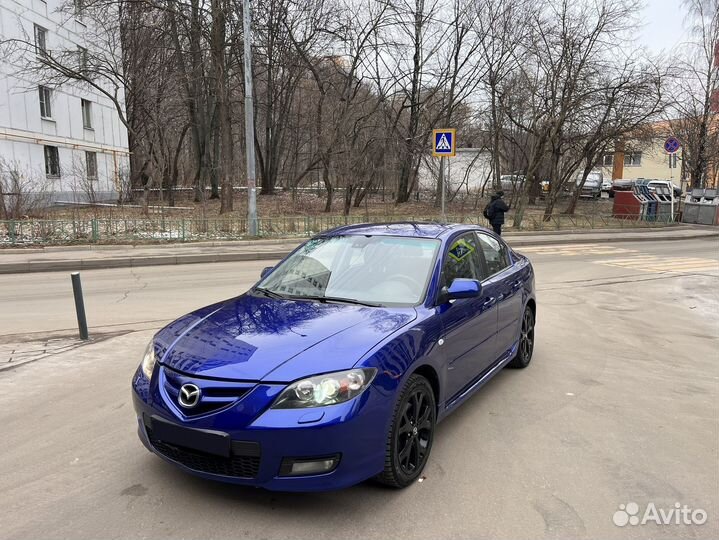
(671, 145)
(443, 142)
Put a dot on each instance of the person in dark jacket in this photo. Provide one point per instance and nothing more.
(499, 207)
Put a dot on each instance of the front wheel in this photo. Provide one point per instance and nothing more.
(409, 441)
(526, 341)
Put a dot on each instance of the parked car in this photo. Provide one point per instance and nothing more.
(621, 185)
(338, 364)
(677, 190)
(511, 182)
(606, 185)
(592, 185)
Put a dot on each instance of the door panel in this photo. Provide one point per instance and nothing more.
(509, 310)
(469, 333)
(469, 326)
(508, 284)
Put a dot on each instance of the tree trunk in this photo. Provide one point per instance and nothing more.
(496, 172)
(572, 205)
(363, 190)
(328, 183)
(555, 184)
(223, 134)
(349, 191)
(403, 188)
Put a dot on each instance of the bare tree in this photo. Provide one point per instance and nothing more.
(569, 46)
(22, 192)
(695, 79)
(502, 27)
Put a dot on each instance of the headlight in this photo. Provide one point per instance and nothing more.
(149, 359)
(325, 389)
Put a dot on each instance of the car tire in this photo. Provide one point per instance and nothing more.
(526, 341)
(409, 441)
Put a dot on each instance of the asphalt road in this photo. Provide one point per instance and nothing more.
(619, 405)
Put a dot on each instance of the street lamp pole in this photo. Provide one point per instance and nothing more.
(249, 124)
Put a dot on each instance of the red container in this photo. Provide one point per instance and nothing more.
(626, 205)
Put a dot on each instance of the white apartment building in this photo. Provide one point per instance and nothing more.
(67, 140)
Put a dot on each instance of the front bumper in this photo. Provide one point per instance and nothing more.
(260, 437)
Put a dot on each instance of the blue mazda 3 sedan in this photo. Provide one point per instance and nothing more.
(337, 365)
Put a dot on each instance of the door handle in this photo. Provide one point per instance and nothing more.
(488, 302)
(517, 285)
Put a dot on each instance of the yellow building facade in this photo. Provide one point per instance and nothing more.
(649, 160)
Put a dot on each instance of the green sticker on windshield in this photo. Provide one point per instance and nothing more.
(460, 249)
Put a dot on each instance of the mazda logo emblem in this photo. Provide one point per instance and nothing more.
(189, 395)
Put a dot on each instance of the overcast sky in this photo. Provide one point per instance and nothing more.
(664, 25)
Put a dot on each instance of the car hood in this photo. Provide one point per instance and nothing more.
(250, 337)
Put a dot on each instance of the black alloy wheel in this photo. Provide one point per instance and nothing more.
(526, 341)
(410, 439)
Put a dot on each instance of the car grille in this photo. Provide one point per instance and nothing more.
(216, 395)
(236, 466)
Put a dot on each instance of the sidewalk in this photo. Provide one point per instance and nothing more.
(73, 258)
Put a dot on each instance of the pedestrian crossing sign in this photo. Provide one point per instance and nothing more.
(443, 142)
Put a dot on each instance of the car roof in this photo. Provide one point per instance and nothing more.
(416, 229)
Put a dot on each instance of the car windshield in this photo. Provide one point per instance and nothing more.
(373, 270)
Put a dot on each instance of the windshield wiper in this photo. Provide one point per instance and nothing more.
(336, 299)
(271, 294)
(323, 299)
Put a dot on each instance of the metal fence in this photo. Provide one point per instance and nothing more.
(168, 229)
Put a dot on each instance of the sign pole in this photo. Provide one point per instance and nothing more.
(672, 146)
(444, 145)
(671, 190)
(442, 181)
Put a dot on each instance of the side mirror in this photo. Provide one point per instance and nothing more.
(266, 270)
(461, 288)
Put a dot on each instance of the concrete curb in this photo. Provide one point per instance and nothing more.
(131, 262)
(176, 245)
(200, 258)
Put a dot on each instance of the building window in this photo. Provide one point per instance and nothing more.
(40, 41)
(607, 160)
(86, 113)
(45, 101)
(52, 162)
(82, 60)
(91, 165)
(632, 159)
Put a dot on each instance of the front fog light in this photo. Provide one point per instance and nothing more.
(308, 466)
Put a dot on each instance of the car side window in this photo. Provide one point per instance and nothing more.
(496, 256)
(461, 260)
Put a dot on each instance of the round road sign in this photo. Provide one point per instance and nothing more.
(671, 145)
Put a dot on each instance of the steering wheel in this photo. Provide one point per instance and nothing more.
(406, 280)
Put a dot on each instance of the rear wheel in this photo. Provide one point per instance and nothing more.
(526, 341)
(410, 437)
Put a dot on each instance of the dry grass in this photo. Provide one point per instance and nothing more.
(302, 204)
